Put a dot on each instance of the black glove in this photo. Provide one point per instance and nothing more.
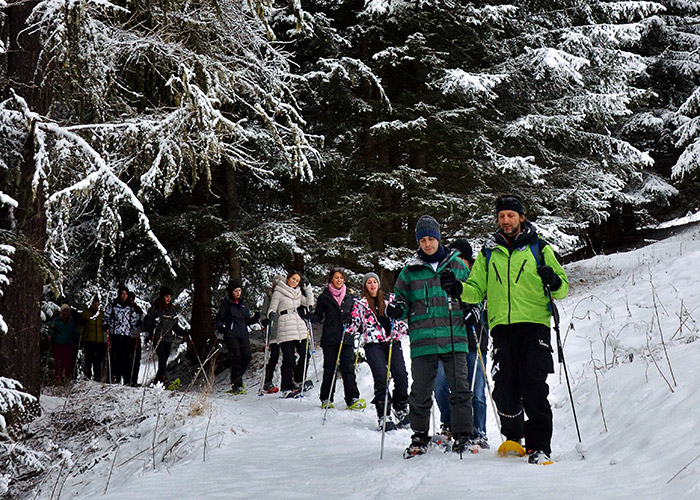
(255, 317)
(450, 283)
(265, 322)
(273, 316)
(303, 312)
(472, 315)
(549, 277)
(394, 310)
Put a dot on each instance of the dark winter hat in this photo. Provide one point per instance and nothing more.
(122, 288)
(427, 226)
(510, 202)
(165, 290)
(232, 285)
(368, 276)
(465, 250)
(95, 300)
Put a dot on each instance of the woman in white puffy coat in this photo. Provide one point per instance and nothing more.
(287, 305)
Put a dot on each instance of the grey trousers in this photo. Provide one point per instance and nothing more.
(420, 400)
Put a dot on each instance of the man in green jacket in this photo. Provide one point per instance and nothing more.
(437, 333)
(512, 270)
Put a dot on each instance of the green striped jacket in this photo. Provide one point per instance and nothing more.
(427, 307)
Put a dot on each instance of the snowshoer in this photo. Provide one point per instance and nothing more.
(163, 328)
(437, 334)
(512, 270)
(232, 322)
(287, 305)
(64, 339)
(92, 339)
(333, 309)
(273, 347)
(119, 322)
(376, 332)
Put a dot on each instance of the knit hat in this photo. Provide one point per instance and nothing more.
(368, 276)
(510, 202)
(427, 226)
(232, 285)
(465, 250)
(65, 307)
(165, 290)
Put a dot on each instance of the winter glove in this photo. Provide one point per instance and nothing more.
(273, 316)
(450, 284)
(549, 277)
(303, 312)
(265, 322)
(394, 310)
(472, 315)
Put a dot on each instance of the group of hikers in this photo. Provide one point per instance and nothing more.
(447, 302)
(111, 341)
(444, 299)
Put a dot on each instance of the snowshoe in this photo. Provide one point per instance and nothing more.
(291, 394)
(308, 385)
(481, 441)
(442, 441)
(464, 444)
(357, 404)
(237, 391)
(173, 385)
(539, 457)
(327, 404)
(270, 388)
(386, 423)
(511, 448)
(419, 445)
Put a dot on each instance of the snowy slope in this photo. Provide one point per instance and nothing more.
(266, 447)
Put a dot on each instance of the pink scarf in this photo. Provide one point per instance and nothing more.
(337, 293)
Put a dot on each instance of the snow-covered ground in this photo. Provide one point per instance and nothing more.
(637, 405)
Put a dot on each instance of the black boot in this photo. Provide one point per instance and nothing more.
(419, 444)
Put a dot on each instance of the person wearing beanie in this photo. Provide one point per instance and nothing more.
(64, 339)
(378, 334)
(92, 339)
(232, 322)
(333, 309)
(516, 270)
(119, 323)
(437, 334)
(163, 328)
(288, 307)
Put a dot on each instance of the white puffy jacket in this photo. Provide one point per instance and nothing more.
(284, 301)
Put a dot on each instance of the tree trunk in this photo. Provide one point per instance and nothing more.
(19, 349)
(202, 323)
(232, 215)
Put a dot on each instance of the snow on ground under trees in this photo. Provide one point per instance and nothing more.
(636, 401)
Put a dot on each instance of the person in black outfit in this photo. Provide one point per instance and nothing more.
(333, 309)
(232, 322)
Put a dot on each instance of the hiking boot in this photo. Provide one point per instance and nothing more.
(270, 388)
(390, 425)
(463, 443)
(357, 404)
(538, 457)
(445, 430)
(419, 444)
(291, 393)
(401, 418)
(481, 441)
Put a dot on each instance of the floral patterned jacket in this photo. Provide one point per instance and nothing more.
(365, 324)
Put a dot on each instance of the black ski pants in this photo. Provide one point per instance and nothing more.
(292, 369)
(522, 359)
(424, 369)
(120, 355)
(94, 356)
(163, 353)
(347, 370)
(377, 354)
(239, 356)
(136, 360)
(274, 356)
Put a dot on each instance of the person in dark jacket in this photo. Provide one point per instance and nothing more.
(64, 337)
(119, 323)
(333, 309)
(163, 327)
(232, 322)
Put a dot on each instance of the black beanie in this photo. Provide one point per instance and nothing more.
(165, 290)
(427, 226)
(510, 202)
(232, 285)
(465, 250)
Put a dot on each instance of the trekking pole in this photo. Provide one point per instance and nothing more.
(265, 359)
(386, 398)
(313, 346)
(488, 384)
(306, 364)
(580, 448)
(454, 356)
(335, 372)
(137, 343)
(199, 360)
(109, 361)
